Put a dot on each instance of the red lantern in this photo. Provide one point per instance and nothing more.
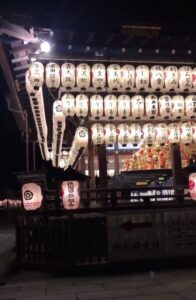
(192, 185)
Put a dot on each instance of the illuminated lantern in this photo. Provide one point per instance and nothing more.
(29, 87)
(171, 78)
(53, 75)
(70, 194)
(114, 76)
(110, 106)
(97, 134)
(194, 79)
(137, 106)
(151, 103)
(165, 106)
(192, 185)
(110, 134)
(123, 134)
(178, 106)
(157, 77)
(148, 133)
(32, 196)
(193, 125)
(127, 77)
(68, 102)
(68, 77)
(185, 78)
(186, 133)
(96, 106)
(36, 75)
(161, 133)
(58, 115)
(81, 138)
(98, 76)
(83, 76)
(81, 108)
(124, 106)
(190, 106)
(173, 133)
(142, 77)
(135, 133)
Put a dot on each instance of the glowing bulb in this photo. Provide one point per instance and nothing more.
(45, 47)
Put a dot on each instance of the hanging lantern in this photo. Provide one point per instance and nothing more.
(161, 133)
(97, 134)
(127, 77)
(194, 79)
(137, 106)
(192, 185)
(68, 102)
(96, 106)
(68, 76)
(186, 133)
(81, 108)
(123, 134)
(190, 106)
(185, 78)
(83, 76)
(32, 196)
(151, 103)
(29, 87)
(58, 115)
(193, 125)
(81, 138)
(36, 75)
(110, 106)
(114, 76)
(142, 77)
(124, 106)
(70, 194)
(171, 78)
(98, 76)
(53, 75)
(110, 134)
(178, 106)
(148, 133)
(173, 133)
(157, 77)
(135, 134)
(165, 106)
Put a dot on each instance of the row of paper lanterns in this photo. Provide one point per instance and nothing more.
(114, 76)
(10, 203)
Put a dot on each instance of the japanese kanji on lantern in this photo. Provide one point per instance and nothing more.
(157, 77)
(96, 106)
(148, 133)
(193, 126)
(137, 106)
(185, 78)
(123, 134)
(114, 76)
(81, 137)
(178, 106)
(161, 133)
(151, 104)
(97, 134)
(68, 75)
(135, 136)
(110, 134)
(127, 77)
(32, 196)
(98, 76)
(36, 75)
(173, 131)
(110, 106)
(68, 103)
(124, 106)
(171, 78)
(83, 76)
(70, 194)
(142, 77)
(165, 106)
(186, 133)
(53, 75)
(192, 185)
(81, 107)
(190, 106)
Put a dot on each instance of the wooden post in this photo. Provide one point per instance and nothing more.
(177, 171)
(103, 178)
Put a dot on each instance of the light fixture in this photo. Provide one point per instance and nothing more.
(45, 47)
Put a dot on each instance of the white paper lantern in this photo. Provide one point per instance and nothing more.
(190, 106)
(32, 196)
(194, 79)
(137, 106)
(148, 133)
(127, 77)
(110, 134)
(98, 76)
(83, 76)
(135, 133)
(124, 106)
(53, 75)
(81, 138)
(123, 134)
(192, 185)
(178, 106)
(36, 75)
(186, 133)
(68, 75)
(96, 106)
(151, 103)
(157, 77)
(142, 77)
(173, 131)
(58, 115)
(29, 87)
(68, 102)
(97, 134)
(165, 106)
(70, 194)
(171, 78)
(193, 125)
(161, 133)
(81, 108)
(110, 106)
(114, 76)
(185, 78)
